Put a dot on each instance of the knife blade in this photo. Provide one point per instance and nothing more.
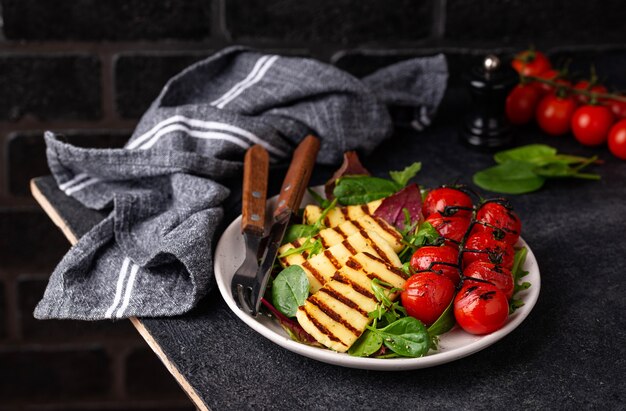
(253, 203)
(291, 193)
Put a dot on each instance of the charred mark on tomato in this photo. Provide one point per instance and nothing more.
(487, 295)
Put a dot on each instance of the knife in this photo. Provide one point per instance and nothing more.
(288, 203)
(253, 203)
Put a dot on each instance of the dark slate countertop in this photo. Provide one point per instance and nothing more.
(569, 353)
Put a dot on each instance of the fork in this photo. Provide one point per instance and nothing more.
(254, 196)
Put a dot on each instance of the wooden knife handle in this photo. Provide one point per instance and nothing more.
(254, 196)
(298, 175)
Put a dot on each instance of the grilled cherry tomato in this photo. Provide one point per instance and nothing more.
(451, 228)
(591, 124)
(441, 259)
(445, 200)
(531, 63)
(486, 247)
(617, 139)
(555, 113)
(500, 220)
(426, 296)
(495, 274)
(586, 85)
(521, 104)
(480, 308)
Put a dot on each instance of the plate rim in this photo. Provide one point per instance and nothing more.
(531, 295)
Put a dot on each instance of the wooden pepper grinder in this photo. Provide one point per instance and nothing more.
(486, 124)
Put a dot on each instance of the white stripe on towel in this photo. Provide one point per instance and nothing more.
(222, 101)
(129, 289)
(118, 290)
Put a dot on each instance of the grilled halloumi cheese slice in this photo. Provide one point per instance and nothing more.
(338, 215)
(321, 267)
(338, 314)
(335, 235)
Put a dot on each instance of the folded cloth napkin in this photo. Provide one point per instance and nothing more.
(151, 256)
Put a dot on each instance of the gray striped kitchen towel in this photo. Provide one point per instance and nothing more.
(151, 256)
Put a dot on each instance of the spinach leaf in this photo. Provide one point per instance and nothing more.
(324, 203)
(290, 289)
(296, 231)
(403, 177)
(444, 323)
(518, 274)
(532, 153)
(367, 344)
(407, 337)
(511, 177)
(352, 190)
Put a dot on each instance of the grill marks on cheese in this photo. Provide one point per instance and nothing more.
(335, 235)
(321, 267)
(338, 215)
(338, 314)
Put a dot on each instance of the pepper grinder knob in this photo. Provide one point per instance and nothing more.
(486, 124)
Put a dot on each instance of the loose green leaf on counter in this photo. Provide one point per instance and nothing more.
(525, 169)
(512, 177)
(290, 289)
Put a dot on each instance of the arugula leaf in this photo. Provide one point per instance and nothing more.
(311, 246)
(352, 190)
(290, 289)
(511, 177)
(403, 177)
(296, 231)
(426, 234)
(324, 203)
(367, 344)
(407, 337)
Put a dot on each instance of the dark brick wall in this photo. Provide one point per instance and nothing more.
(88, 69)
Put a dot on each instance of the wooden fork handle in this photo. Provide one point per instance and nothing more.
(254, 196)
(298, 176)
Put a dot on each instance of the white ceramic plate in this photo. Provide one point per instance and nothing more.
(453, 345)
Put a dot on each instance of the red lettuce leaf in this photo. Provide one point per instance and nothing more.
(391, 208)
(290, 325)
(351, 167)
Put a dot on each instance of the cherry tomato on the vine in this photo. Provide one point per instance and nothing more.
(426, 296)
(480, 308)
(617, 139)
(500, 220)
(591, 124)
(617, 107)
(495, 274)
(442, 259)
(521, 104)
(587, 86)
(531, 63)
(486, 247)
(553, 75)
(451, 228)
(445, 200)
(554, 114)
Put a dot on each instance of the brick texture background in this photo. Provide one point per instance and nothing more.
(88, 69)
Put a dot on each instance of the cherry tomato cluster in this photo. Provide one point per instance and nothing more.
(559, 106)
(472, 267)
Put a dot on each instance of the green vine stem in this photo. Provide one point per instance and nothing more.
(591, 94)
